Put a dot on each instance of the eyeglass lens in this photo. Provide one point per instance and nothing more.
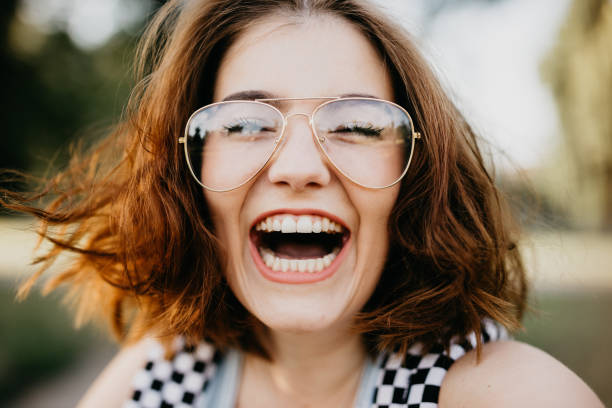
(368, 140)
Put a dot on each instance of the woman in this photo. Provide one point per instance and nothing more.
(322, 234)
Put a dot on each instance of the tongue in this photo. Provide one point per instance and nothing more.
(295, 250)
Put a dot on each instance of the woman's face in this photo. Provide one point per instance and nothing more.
(319, 56)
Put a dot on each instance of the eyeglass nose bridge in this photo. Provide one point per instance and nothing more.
(307, 116)
(292, 114)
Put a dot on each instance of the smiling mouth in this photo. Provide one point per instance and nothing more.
(288, 244)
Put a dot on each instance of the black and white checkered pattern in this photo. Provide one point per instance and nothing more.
(411, 380)
(176, 383)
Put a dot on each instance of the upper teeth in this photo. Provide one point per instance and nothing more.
(302, 224)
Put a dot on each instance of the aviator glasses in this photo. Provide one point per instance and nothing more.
(369, 141)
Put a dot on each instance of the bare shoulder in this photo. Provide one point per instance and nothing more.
(113, 385)
(513, 374)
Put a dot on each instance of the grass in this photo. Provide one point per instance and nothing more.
(37, 341)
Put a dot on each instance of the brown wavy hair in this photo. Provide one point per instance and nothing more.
(145, 252)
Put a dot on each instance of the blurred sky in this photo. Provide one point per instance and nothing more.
(487, 54)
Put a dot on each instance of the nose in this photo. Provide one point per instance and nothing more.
(299, 163)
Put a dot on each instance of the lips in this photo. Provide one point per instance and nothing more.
(298, 246)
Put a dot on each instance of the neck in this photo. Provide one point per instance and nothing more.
(314, 369)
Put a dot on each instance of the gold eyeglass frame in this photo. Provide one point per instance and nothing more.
(279, 140)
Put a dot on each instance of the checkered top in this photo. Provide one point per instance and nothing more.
(413, 380)
(174, 383)
(410, 380)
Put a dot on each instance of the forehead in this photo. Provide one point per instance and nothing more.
(312, 56)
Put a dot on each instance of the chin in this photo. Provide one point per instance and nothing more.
(298, 321)
(294, 308)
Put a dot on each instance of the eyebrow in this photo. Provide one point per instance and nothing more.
(359, 95)
(259, 94)
(248, 96)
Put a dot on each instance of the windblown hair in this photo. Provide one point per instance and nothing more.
(145, 252)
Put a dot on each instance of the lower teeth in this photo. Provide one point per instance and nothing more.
(297, 265)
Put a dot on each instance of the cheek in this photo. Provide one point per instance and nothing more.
(374, 208)
(224, 210)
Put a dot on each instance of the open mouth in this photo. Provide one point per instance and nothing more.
(303, 244)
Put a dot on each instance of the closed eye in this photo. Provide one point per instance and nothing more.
(358, 129)
(247, 126)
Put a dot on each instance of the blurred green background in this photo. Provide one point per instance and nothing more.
(66, 71)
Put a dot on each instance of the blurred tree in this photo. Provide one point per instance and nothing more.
(53, 90)
(579, 70)
(19, 81)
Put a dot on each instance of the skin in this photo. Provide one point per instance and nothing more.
(309, 323)
(299, 177)
(529, 378)
(317, 360)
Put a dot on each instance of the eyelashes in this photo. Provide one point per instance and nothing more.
(247, 126)
(361, 129)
